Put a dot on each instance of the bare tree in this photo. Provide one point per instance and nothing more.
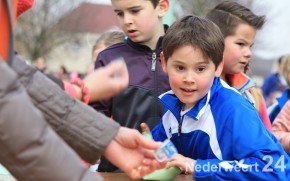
(34, 34)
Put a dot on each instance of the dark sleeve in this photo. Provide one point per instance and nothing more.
(85, 130)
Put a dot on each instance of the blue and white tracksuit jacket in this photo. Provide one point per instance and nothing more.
(226, 136)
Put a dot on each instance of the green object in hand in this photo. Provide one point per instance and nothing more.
(163, 174)
(147, 136)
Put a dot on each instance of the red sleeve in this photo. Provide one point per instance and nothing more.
(4, 30)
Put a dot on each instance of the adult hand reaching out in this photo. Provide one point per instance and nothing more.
(107, 81)
(132, 153)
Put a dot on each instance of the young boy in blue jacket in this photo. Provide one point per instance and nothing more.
(218, 133)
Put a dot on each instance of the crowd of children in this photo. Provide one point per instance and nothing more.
(213, 112)
(188, 83)
(205, 118)
(209, 110)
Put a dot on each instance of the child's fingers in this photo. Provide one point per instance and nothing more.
(145, 128)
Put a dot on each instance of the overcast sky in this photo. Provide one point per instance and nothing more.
(100, 1)
(273, 39)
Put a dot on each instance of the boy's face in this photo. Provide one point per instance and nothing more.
(237, 52)
(191, 74)
(140, 21)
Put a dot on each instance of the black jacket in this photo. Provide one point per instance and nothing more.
(139, 102)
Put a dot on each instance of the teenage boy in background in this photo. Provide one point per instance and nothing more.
(141, 21)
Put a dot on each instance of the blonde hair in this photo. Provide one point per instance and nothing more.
(109, 38)
(286, 69)
(258, 97)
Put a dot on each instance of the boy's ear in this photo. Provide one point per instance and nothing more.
(219, 69)
(163, 7)
(163, 62)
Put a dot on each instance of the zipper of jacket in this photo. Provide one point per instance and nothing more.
(155, 83)
(180, 143)
(153, 66)
(180, 126)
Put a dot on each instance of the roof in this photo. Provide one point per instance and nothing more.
(89, 17)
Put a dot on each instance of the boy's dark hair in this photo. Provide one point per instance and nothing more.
(228, 15)
(155, 3)
(197, 32)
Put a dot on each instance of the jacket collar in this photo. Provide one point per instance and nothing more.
(172, 103)
(241, 82)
